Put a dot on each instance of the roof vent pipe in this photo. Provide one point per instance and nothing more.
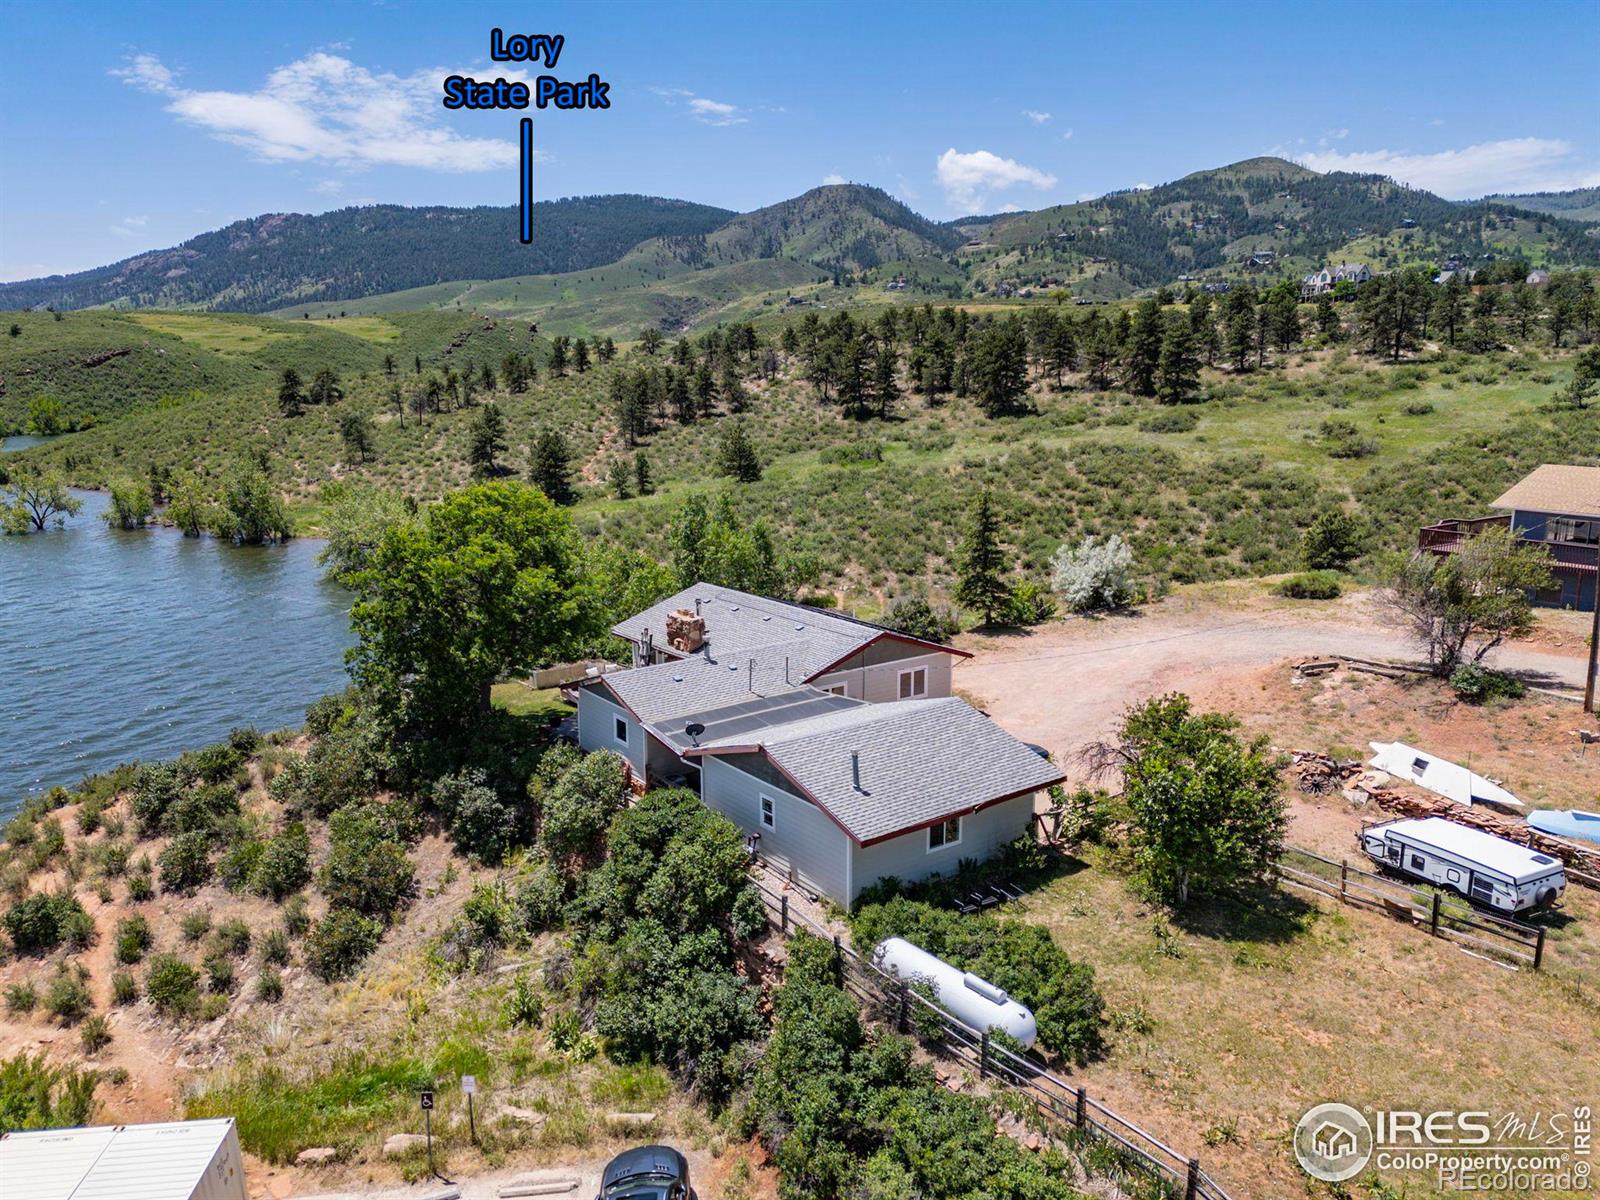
(751, 676)
(697, 606)
(855, 768)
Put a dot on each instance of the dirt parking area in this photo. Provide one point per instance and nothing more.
(1066, 684)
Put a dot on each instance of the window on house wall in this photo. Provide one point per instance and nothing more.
(837, 689)
(945, 833)
(913, 683)
(619, 728)
(768, 811)
(1571, 529)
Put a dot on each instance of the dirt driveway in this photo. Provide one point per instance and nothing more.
(1066, 684)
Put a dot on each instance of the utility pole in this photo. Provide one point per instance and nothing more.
(1594, 643)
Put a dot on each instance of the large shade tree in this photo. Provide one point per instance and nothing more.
(489, 583)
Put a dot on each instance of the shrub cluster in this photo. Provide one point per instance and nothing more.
(1014, 955)
(45, 921)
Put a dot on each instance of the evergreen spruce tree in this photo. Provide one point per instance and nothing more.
(642, 483)
(551, 468)
(291, 400)
(617, 476)
(981, 564)
(885, 383)
(737, 457)
(488, 440)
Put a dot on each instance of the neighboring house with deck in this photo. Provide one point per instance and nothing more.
(835, 744)
(1557, 507)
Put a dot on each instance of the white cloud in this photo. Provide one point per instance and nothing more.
(966, 178)
(1037, 117)
(1005, 208)
(1085, 197)
(325, 108)
(704, 110)
(831, 180)
(329, 187)
(1335, 135)
(1514, 165)
(714, 112)
(1066, 135)
(130, 226)
(1141, 187)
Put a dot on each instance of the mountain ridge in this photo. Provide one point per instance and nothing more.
(1265, 216)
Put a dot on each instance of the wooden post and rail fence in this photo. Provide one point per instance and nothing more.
(1066, 1110)
(1442, 916)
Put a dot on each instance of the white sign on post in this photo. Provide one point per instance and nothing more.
(469, 1085)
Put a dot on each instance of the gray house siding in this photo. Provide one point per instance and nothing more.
(802, 838)
(597, 719)
(908, 858)
(874, 673)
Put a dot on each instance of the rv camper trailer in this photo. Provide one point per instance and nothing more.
(1487, 870)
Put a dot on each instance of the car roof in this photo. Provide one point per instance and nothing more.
(643, 1160)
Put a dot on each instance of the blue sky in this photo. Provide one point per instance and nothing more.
(130, 126)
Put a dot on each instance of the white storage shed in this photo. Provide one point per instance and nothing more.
(176, 1160)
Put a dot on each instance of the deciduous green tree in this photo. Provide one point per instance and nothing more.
(1207, 810)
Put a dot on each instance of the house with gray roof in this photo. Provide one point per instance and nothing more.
(833, 742)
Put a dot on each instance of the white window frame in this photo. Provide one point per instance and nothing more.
(837, 689)
(619, 729)
(912, 673)
(769, 812)
(944, 832)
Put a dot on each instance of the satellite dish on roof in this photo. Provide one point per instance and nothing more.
(694, 729)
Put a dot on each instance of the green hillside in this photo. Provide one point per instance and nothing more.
(1209, 224)
(1580, 204)
(273, 260)
(101, 365)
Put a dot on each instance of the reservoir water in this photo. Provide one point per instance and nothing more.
(137, 645)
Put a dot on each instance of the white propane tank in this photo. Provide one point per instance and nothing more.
(975, 1001)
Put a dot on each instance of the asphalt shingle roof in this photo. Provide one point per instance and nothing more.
(1556, 488)
(920, 761)
(702, 681)
(737, 622)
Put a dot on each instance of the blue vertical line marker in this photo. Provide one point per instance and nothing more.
(527, 180)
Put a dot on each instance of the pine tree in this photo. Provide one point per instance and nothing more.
(558, 357)
(1142, 356)
(580, 356)
(981, 563)
(1178, 372)
(290, 398)
(736, 458)
(885, 381)
(550, 468)
(617, 476)
(488, 440)
(355, 430)
(642, 483)
(1239, 326)
(999, 368)
(732, 387)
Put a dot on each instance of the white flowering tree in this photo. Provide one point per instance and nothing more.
(1094, 574)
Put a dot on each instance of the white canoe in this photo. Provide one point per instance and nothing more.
(1448, 779)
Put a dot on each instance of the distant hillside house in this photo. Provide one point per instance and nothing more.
(1538, 278)
(1556, 506)
(1261, 258)
(835, 744)
(1325, 280)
